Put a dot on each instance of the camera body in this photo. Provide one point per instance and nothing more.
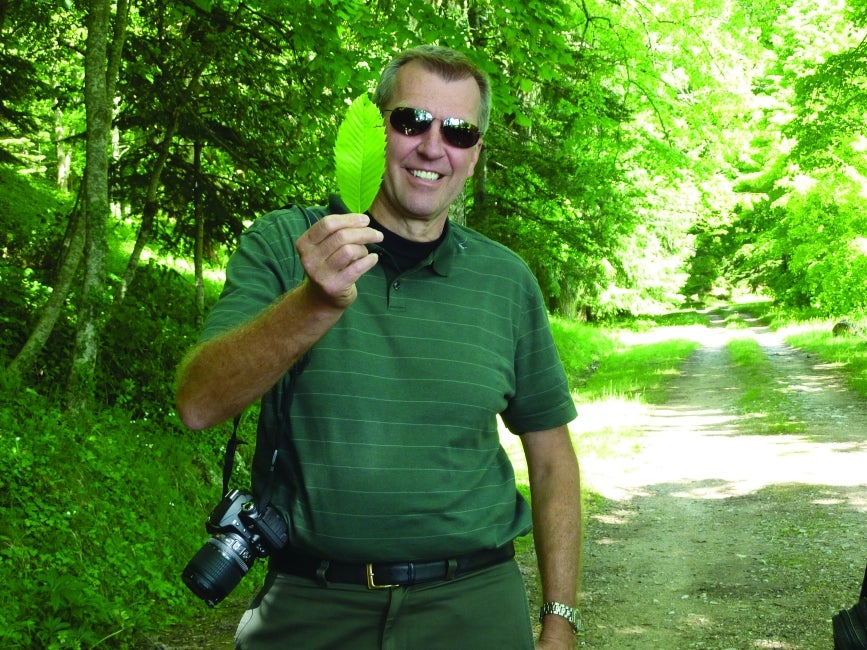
(241, 533)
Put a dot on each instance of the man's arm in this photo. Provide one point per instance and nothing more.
(222, 376)
(556, 503)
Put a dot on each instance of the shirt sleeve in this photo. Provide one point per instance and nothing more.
(542, 397)
(263, 267)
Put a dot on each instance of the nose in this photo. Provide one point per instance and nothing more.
(432, 144)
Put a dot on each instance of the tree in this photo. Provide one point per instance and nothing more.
(43, 39)
(803, 181)
(629, 143)
(101, 64)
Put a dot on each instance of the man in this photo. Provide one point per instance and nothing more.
(411, 334)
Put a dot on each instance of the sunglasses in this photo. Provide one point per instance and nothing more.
(415, 121)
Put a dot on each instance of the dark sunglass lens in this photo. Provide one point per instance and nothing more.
(411, 121)
(459, 133)
(415, 121)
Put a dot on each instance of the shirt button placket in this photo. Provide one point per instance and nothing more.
(395, 296)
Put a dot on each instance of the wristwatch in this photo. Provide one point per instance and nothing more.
(569, 613)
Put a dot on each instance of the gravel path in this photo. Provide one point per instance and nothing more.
(708, 535)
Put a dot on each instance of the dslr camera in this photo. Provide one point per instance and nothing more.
(241, 533)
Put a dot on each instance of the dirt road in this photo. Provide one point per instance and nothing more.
(708, 535)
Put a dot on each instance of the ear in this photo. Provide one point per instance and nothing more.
(477, 151)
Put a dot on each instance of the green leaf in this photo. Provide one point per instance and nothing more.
(359, 154)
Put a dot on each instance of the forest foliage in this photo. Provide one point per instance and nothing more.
(639, 157)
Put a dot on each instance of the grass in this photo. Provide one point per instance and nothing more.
(601, 365)
(849, 353)
(762, 396)
(581, 347)
(735, 321)
(639, 371)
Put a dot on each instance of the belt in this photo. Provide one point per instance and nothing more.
(385, 575)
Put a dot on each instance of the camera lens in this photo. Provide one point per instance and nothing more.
(218, 567)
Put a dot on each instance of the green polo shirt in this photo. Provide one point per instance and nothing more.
(392, 451)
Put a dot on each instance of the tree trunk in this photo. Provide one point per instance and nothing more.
(101, 65)
(74, 247)
(458, 209)
(199, 251)
(479, 214)
(480, 191)
(63, 152)
(151, 207)
(96, 206)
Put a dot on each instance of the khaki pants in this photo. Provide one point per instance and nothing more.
(480, 611)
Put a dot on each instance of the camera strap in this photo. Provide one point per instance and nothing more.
(229, 454)
(312, 215)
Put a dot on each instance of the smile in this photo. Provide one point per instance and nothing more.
(425, 175)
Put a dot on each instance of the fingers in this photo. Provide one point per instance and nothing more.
(334, 254)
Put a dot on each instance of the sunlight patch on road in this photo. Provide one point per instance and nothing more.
(632, 630)
(773, 645)
(702, 454)
(615, 518)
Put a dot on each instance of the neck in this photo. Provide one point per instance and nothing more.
(413, 229)
(404, 253)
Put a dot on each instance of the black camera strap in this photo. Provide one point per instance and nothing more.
(235, 441)
(229, 454)
(312, 215)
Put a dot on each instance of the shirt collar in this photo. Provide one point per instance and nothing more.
(443, 258)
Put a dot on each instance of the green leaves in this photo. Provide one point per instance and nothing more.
(359, 154)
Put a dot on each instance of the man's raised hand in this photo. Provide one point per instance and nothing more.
(334, 255)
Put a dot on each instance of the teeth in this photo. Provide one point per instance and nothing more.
(426, 176)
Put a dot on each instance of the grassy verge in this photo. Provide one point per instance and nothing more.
(762, 396)
(804, 331)
(640, 371)
(602, 364)
(848, 353)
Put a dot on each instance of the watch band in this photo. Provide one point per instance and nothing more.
(569, 613)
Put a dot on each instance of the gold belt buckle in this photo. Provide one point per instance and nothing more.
(371, 583)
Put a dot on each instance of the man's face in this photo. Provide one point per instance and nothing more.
(424, 173)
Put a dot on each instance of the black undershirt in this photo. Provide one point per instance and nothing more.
(405, 253)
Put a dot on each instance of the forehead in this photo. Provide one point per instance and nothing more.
(418, 87)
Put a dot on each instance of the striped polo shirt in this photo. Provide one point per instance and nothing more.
(390, 450)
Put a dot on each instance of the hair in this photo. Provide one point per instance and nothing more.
(449, 64)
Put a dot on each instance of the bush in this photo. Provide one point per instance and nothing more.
(581, 347)
(32, 223)
(97, 518)
(145, 340)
